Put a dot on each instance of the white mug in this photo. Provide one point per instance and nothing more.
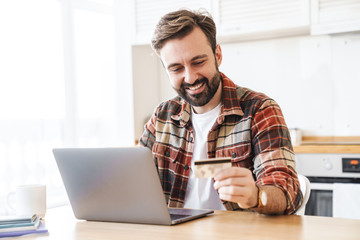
(30, 199)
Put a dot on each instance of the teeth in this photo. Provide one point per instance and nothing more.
(196, 87)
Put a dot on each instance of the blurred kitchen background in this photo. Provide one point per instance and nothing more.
(81, 73)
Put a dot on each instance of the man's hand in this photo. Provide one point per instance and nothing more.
(237, 185)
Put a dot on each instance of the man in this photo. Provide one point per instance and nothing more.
(211, 118)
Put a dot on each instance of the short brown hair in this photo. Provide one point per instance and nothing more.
(180, 23)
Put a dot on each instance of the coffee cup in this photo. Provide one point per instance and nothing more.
(29, 199)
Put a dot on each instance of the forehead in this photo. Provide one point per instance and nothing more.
(184, 49)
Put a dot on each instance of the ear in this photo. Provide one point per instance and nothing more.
(218, 55)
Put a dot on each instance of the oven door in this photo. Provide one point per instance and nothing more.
(321, 197)
(321, 200)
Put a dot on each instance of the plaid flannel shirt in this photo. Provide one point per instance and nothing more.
(250, 129)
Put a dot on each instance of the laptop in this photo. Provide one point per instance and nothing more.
(117, 185)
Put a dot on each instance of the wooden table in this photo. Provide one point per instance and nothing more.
(221, 225)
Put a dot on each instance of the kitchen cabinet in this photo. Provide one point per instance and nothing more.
(241, 20)
(147, 14)
(334, 16)
(249, 20)
(235, 20)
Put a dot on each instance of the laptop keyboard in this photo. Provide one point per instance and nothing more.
(178, 216)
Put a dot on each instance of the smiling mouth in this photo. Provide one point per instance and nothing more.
(196, 87)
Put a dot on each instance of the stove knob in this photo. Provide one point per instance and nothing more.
(328, 166)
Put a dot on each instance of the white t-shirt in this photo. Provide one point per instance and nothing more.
(200, 192)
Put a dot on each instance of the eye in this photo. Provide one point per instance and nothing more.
(199, 62)
(176, 69)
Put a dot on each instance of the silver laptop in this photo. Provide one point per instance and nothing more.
(117, 185)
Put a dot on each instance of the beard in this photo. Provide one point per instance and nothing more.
(206, 95)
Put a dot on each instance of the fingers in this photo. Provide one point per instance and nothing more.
(233, 177)
(236, 185)
(232, 172)
(233, 181)
(234, 199)
(241, 195)
(233, 190)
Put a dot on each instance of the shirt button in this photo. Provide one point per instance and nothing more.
(186, 167)
(233, 155)
(167, 154)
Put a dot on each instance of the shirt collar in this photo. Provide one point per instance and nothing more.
(230, 104)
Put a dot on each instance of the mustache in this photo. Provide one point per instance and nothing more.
(198, 81)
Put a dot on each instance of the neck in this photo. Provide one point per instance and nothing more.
(212, 104)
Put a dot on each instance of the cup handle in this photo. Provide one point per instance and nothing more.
(8, 200)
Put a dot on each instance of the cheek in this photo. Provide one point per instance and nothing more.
(175, 82)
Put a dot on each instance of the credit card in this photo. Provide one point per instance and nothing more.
(207, 168)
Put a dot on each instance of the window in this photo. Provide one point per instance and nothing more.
(59, 87)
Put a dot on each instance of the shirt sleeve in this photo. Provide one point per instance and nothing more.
(148, 137)
(274, 162)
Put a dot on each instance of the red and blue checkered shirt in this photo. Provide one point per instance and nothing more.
(250, 129)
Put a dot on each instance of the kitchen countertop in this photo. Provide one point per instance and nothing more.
(337, 145)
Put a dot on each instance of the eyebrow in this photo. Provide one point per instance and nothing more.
(193, 59)
(199, 56)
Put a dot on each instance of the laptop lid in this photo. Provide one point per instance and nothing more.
(117, 185)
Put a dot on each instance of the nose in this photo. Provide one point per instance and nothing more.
(190, 76)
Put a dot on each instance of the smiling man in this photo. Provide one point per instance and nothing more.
(213, 118)
(193, 70)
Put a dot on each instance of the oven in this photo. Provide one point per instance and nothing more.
(323, 171)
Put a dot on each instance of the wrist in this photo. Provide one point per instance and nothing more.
(271, 199)
(261, 197)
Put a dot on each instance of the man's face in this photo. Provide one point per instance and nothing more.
(192, 67)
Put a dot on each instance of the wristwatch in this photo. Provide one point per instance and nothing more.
(262, 197)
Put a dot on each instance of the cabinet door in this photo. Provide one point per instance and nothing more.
(242, 19)
(335, 16)
(148, 13)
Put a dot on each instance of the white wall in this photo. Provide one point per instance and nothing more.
(151, 85)
(315, 79)
(146, 85)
